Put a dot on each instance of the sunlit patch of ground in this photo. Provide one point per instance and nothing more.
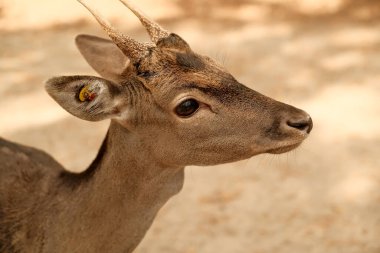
(322, 56)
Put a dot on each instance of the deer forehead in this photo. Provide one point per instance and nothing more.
(173, 71)
(158, 60)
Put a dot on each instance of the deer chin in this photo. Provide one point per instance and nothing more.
(283, 149)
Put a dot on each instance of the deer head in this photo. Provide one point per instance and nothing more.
(185, 107)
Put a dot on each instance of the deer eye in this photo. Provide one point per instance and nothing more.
(187, 108)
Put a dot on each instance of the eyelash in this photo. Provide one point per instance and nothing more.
(145, 74)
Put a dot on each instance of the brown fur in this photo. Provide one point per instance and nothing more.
(110, 206)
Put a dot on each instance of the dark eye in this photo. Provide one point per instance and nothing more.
(187, 108)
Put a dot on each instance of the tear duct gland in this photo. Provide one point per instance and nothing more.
(169, 107)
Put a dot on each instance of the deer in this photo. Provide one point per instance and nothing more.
(169, 108)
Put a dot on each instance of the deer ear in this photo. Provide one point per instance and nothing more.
(87, 97)
(103, 56)
(175, 42)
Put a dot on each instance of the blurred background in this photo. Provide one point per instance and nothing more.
(320, 55)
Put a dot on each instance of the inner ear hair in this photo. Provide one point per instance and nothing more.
(87, 97)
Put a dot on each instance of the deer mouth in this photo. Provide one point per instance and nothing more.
(283, 149)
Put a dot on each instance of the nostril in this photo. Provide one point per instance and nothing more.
(301, 124)
(310, 125)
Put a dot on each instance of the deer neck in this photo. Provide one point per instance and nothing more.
(119, 195)
(126, 163)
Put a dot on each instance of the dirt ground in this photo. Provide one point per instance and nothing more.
(322, 56)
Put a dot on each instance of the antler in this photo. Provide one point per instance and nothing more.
(130, 47)
(155, 31)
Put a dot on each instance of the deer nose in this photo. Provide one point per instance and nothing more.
(304, 124)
